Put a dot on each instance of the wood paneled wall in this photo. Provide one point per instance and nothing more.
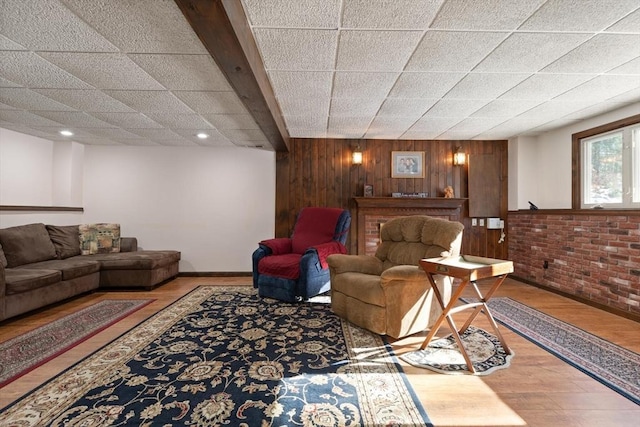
(318, 172)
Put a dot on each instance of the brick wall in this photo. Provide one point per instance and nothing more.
(590, 256)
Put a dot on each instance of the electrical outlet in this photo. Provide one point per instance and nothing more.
(481, 222)
(474, 222)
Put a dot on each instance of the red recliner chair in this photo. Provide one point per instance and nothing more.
(295, 269)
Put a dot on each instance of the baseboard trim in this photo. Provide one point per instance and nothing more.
(215, 274)
(617, 312)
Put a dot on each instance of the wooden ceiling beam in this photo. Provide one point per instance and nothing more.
(223, 28)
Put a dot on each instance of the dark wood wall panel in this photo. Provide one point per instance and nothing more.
(318, 172)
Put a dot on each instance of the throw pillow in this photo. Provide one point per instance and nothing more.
(99, 238)
(25, 244)
(65, 239)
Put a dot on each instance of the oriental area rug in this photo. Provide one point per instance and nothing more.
(26, 352)
(608, 363)
(221, 355)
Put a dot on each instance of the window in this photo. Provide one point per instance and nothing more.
(607, 166)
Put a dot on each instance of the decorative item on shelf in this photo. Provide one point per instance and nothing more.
(356, 156)
(407, 164)
(448, 192)
(459, 157)
(418, 195)
(368, 190)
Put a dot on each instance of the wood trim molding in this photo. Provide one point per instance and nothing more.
(223, 29)
(584, 212)
(16, 208)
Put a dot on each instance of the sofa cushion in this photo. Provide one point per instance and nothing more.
(25, 244)
(140, 260)
(3, 259)
(99, 238)
(70, 268)
(21, 280)
(66, 239)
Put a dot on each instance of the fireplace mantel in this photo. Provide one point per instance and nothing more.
(372, 211)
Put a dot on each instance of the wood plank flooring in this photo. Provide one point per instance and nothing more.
(538, 389)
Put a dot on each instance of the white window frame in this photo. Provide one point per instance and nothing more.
(630, 169)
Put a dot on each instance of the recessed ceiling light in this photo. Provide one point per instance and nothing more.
(202, 135)
(66, 133)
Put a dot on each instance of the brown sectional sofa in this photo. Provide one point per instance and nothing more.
(41, 265)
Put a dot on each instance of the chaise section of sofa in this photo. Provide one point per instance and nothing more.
(41, 265)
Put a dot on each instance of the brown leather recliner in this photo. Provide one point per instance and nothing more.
(389, 293)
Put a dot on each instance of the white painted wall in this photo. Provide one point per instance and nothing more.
(212, 204)
(543, 163)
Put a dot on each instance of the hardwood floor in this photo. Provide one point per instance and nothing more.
(538, 389)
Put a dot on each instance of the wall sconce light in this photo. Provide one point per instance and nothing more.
(356, 156)
(459, 157)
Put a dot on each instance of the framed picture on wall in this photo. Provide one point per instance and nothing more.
(407, 164)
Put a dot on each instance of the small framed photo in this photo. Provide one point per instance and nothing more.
(368, 190)
(407, 164)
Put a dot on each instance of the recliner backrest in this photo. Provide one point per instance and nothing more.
(316, 225)
(406, 240)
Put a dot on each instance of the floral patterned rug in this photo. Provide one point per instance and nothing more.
(224, 356)
(26, 352)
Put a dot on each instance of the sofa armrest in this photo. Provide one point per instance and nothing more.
(354, 263)
(128, 244)
(403, 272)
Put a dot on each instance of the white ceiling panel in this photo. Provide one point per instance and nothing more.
(179, 121)
(382, 124)
(529, 52)
(296, 14)
(304, 107)
(405, 107)
(546, 86)
(231, 121)
(161, 134)
(301, 84)
(30, 70)
(26, 99)
(453, 50)
(315, 123)
(363, 85)
(7, 44)
(485, 85)
(628, 24)
(105, 133)
(150, 100)
(631, 68)
(484, 15)
(425, 85)
(252, 135)
(73, 119)
(212, 102)
(563, 15)
(433, 126)
(170, 71)
(600, 88)
(376, 50)
(459, 108)
(127, 120)
(140, 25)
(297, 49)
(26, 119)
(88, 100)
(505, 108)
(397, 14)
(354, 107)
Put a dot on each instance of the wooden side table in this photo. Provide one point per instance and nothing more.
(469, 269)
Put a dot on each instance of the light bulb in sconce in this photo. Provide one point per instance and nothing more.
(459, 157)
(356, 156)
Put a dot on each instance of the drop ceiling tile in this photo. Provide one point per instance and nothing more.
(310, 84)
(215, 143)
(150, 100)
(485, 85)
(457, 135)
(383, 133)
(4, 106)
(88, 100)
(351, 107)
(304, 106)
(179, 121)
(192, 135)
(419, 135)
(244, 135)
(484, 15)
(376, 50)
(74, 119)
(346, 133)
(315, 123)
(529, 52)
(231, 121)
(363, 85)
(6, 83)
(123, 72)
(25, 118)
(459, 108)
(127, 120)
(506, 108)
(599, 54)
(601, 88)
(406, 107)
(632, 67)
(30, 70)
(170, 71)
(434, 125)
(298, 14)
(453, 50)
(595, 110)
(47, 25)
(476, 125)
(159, 134)
(297, 49)
(406, 14)
(628, 24)
(307, 133)
(545, 86)
(7, 44)
(628, 97)
(105, 133)
(562, 15)
(395, 124)
(140, 25)
(26, 99)
(424, 85)
(353, 125)
(96, 141)
(212, 102)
